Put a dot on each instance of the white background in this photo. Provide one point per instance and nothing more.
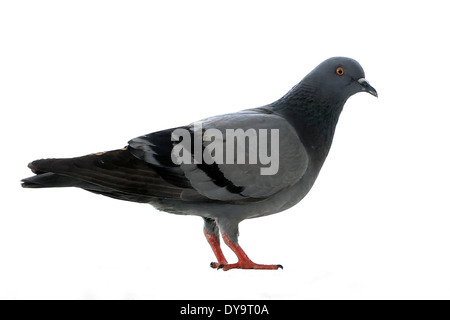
(78, 77)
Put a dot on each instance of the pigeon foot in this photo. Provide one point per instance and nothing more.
(249, 265)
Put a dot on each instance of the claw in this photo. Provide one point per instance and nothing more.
(218, 266)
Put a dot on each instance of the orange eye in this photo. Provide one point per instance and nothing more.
(340, 71)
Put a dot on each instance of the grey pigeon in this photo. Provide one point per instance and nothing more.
(226, 168)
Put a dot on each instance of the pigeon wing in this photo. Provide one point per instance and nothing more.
(226, 175)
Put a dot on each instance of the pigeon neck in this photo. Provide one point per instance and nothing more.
(313, 115)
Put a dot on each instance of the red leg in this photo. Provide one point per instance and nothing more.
(214, 242)
(244, 261)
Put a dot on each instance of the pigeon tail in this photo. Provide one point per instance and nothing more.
(117, 174)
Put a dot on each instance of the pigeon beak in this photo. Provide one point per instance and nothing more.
(367, 87)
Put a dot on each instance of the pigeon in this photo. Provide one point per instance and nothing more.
(225, 168)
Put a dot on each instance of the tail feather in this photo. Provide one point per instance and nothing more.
(49, 180)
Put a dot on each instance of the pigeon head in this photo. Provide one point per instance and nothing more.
(340, 78)
(313, 106)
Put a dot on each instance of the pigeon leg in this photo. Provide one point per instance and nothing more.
(244, 261)
(211, 232)
(214, 242)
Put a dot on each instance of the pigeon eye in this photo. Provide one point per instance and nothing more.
(340, 71)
